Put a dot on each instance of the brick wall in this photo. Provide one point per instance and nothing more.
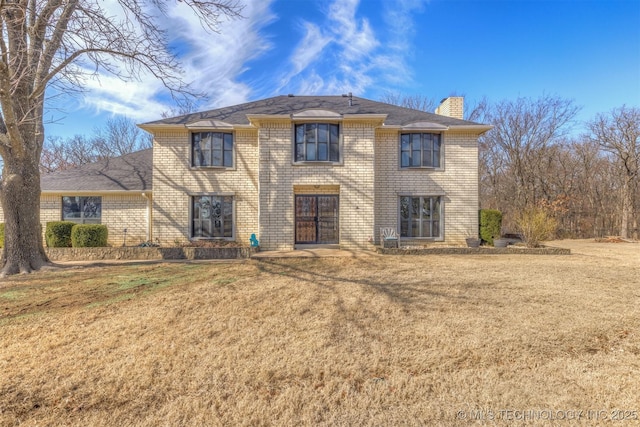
(174, 181)
(118, 212)
(457, 180)
(354, 178)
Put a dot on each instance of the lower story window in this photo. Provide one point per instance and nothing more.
(420, 216)
(82, 209)
(212, 217)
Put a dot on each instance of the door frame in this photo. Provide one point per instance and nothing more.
(317, 220)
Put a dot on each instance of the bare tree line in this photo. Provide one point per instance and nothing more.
(587, 180)
(117, 137)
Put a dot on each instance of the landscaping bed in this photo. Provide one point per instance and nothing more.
(148, 253)
(483, 250)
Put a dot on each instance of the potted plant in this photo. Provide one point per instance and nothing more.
(472, 240)
(500, 242)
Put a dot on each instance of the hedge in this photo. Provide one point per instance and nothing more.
(89, 236)
(490, 224)
(58, 234)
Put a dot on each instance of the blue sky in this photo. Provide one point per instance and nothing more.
(585, 50)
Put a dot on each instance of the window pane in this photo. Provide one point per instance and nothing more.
(436, 208)
(426, 158)
(405, 159)
(70, 208)
(426, 229)
(334, 134)
(415, 207)
(322, 152)
(404, 207)
(299, 134)
(415, 141)
(92, 208)
(299, 152)
(311, 152)
(228, 141)
(335, 152)
(415, 228)
(427, 142)
(415, 158)
(436, 151)
(323, 133)
(310, 133)
(217, 141)
(228, 158)
(404, 228)
(217, 158)
(405, 142)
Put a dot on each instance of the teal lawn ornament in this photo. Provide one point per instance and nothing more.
(254, 241)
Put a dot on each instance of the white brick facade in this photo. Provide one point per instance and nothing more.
(363, 188)
(265, 180)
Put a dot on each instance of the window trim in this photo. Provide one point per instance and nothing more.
(81, 219)
(191, 196)
(440, 214)
(192, 159)
(294, 144)
(421, 166)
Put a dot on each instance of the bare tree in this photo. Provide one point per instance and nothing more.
(117, 137)
(57, 42)
(120, 136)
(415, 102)
(516, 153)
(618, 133)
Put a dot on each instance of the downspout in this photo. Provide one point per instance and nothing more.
(149, 233)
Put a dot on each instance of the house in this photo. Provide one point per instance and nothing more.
(296, 171)
(115, 192)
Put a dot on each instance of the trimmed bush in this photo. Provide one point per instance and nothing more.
(490, 224)
(89, 236)
(58, 234)
(1, 234)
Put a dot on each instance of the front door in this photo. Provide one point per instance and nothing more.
(316, 219)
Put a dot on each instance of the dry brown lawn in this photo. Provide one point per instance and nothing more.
(368, 340)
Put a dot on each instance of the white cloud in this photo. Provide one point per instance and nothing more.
(212, 63)
(344, 53)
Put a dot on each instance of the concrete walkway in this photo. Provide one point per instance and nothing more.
(315, 253)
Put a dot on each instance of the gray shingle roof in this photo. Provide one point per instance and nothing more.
(131, 172)
(237, 114)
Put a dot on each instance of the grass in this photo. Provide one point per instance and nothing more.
(371, 340)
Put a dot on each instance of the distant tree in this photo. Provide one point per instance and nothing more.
(618, 133)
(516, 151)
(58, 42)
(119, 136)
(415, 102)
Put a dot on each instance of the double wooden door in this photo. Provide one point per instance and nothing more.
(317, 219)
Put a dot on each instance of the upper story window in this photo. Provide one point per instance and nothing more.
(420, 150)
(83, 210)
(212, 149)
(317, 142)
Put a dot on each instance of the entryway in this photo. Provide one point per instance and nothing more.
(317, 219)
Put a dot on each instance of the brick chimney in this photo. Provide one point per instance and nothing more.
(452, 106)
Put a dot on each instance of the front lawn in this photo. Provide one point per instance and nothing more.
(370, 340)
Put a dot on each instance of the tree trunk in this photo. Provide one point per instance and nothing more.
(23, 251)
(627, 207)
